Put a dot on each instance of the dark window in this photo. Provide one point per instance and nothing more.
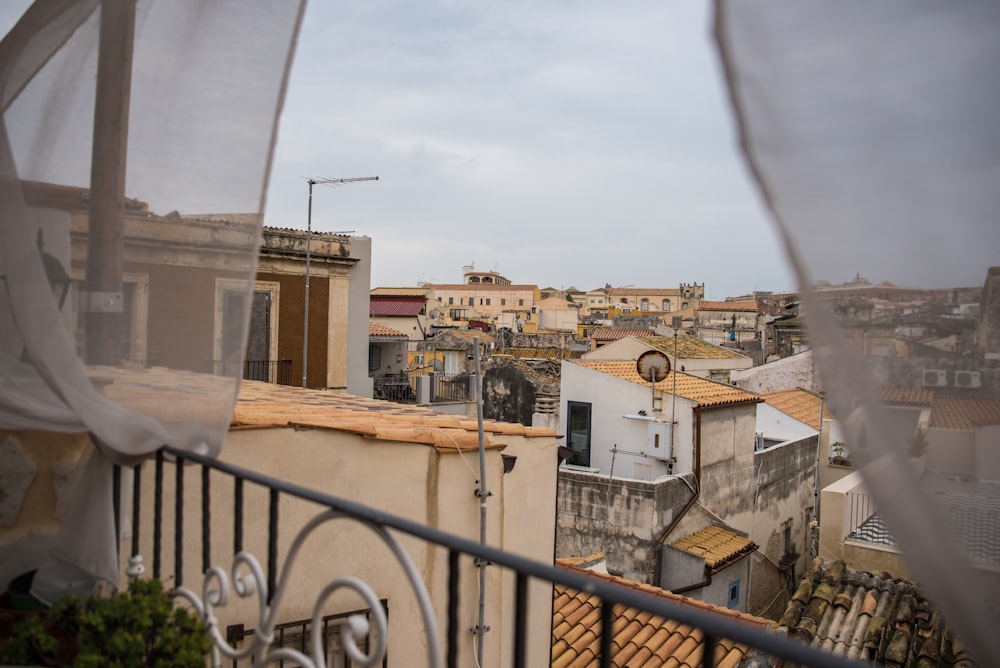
(578, 432)
(451, 300)
(503, 301)
(487, 301)
(734, 594)
(520, 302)
(472, 301)
(374, 357)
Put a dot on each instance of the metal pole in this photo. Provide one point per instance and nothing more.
(305, 315)
(482, 493)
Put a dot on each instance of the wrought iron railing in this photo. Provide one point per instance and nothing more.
(394, 387)
(267, 581)
(268, 371)
(864, 521)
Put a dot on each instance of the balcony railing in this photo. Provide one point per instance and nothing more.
(394, 387)
(866, 525)
(269, 578)
(268, 371)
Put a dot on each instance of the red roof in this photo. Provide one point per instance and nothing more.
(395, 306)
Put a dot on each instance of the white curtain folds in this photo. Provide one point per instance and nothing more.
(871, 130)
(135, 146)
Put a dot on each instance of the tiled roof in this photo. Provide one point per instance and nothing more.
(400, 292)
(375, 329)
(870, 618)
(541, 353)
(638, 638)
(396, 307)
(613, 333)
(801, 404)
(269, 405)
(690, 347)
(727, 306)
(718, 545)
(704, 392)
(963, 412)
(907, 396)
(470, 334)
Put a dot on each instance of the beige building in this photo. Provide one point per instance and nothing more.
(413, 463)
(729, 322)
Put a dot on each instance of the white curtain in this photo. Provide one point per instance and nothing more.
(128, 246)
(871, 130)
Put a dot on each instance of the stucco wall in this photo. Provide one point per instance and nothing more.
(412, 481)
(951, 450)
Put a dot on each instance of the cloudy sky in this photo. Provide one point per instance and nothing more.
(560, 143)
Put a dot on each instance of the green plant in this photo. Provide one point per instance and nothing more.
(140, 627)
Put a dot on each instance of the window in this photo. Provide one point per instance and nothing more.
(666, 304)
(451, 300)
(503, 301)
(374, 357)
(733, 601)
(881, 350)
(644, 306)
(578, 430)
(487, 301)
(520, 302)
(472, 301)
(451, 362)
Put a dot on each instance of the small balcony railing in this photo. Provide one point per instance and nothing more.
(365, 643)
(278, 372)
(866, 525)
(394, 387)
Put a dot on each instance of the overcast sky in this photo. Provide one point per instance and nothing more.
(560, 144)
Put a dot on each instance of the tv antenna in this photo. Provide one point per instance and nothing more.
(305, 315)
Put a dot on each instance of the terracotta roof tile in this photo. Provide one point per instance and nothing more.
(907, 396)
(718, 545)
(268, 405)
(963, 413)
(639, 638)
(704, 392)
(801, 404)
(395, 307)
(400, 292)
(541, 353)
(375, 329)
(615, 333)
(868, 628)
(690, 347)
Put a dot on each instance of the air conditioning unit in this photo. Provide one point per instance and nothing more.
(967, 379)
(934, 378)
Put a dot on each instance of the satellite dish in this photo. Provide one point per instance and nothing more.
(652, 363)
(433, 314)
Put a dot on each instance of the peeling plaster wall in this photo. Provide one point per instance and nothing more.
(508, 395)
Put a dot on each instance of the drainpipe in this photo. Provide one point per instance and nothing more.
(694, 498)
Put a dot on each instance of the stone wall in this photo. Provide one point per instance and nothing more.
(620, 517)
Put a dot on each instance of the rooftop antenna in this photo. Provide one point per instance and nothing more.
(305, 316)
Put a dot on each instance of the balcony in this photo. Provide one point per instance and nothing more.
(165, 534)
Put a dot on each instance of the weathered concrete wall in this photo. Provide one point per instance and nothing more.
(908, 372)
(508, 395)
(620, 517)
(763, 494)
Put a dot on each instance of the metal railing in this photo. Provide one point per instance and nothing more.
(863, 519)
(394, 387)
(268, 580)
(268, 371)
(454, 387)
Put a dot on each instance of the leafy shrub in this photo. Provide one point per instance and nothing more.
(140, 627)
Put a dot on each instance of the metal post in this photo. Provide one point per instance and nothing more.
(305, 315)
(482, 493)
